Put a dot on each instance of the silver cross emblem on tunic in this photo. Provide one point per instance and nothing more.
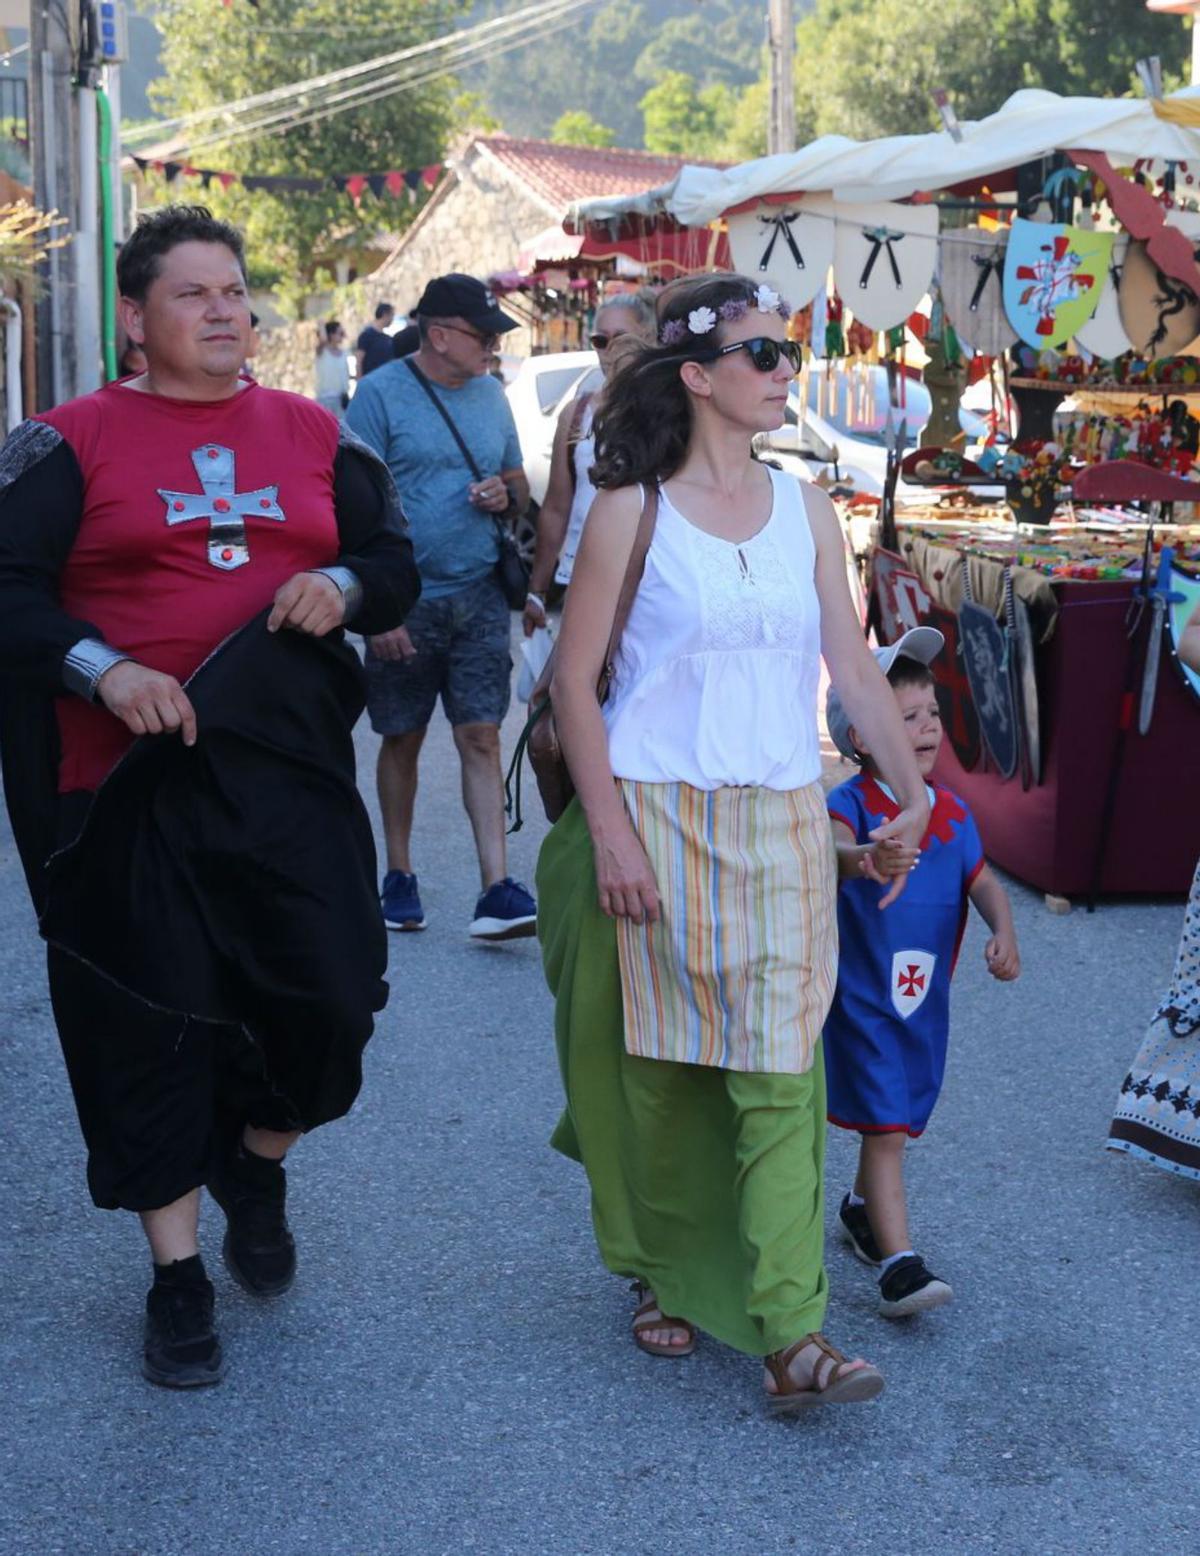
(225, 508)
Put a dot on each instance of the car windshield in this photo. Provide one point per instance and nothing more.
(846, 413)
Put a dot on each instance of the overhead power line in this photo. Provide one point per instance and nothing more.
(365, 93)
(226, 121)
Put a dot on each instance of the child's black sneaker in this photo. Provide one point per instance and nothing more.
(181, 1349)
(909, 1287)
(856, 1230)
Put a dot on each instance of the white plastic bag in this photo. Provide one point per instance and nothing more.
(535, 650)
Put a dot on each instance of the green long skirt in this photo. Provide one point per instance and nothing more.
(707, 1184)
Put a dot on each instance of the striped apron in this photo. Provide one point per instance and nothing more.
(740, 970)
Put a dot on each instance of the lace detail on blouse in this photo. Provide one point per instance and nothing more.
(748, 595)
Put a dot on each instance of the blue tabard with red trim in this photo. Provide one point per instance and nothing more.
(885, 1038)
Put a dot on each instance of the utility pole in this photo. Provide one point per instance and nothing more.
(54, 42)
(781, 42)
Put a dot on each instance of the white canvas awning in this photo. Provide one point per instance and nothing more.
(1031, 124)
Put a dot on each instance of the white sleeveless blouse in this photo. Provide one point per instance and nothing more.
(716, 677)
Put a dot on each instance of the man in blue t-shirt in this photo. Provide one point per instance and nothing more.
(455, 642)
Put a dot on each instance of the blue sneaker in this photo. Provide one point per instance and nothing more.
(401, 904)
(506, 911)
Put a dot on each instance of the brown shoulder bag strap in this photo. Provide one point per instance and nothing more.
(631, 583)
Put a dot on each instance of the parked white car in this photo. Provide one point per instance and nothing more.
(539, 390)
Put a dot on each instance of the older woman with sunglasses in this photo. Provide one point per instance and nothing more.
(687, 895)
(619, 324)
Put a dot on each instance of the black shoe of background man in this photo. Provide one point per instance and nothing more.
(259, 1251)
(182, 1350)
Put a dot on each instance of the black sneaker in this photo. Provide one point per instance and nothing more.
(181, 1347)
(856, 1230)
(259, 1250)
(908, 1287)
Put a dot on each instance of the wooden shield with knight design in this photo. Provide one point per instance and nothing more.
(1054, 276)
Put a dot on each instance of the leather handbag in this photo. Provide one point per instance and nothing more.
(540, 735)
(512, 573)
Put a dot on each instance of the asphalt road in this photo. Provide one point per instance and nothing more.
(452, 1371)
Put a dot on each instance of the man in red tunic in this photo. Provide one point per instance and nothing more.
(179, 553)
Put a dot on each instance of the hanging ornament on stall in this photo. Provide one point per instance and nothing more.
(884, 256)
(1054, 276)
(790, 246)
(1104, 334)
(973, 289)
(1160, 315)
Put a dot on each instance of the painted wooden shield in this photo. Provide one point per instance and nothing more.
(1053, 279)
(1159, 315)
(884, 256)
(973, 289)
(902, 597)
(987, 671)
(1104, 334)
(788, 246)
(959, 718)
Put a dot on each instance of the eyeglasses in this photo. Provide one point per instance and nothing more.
(600, 341)
(489, 342)
(764, 353)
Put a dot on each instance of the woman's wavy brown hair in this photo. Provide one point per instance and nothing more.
(643, 414)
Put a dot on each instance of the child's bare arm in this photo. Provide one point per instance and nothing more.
(1001, 953)
(888, 862)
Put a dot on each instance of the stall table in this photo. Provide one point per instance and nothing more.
(1049, 834)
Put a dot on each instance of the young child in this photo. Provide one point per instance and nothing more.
(885, 1039)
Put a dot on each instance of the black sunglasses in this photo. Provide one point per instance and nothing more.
(600, 340)
(764, 353)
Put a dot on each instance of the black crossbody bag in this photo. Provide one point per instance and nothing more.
(511, 572)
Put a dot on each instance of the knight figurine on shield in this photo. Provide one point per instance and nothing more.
(887, 1034)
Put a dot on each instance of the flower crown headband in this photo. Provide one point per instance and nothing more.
(702, 321)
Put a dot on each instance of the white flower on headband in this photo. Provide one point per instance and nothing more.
(701, 321)
(766, 299)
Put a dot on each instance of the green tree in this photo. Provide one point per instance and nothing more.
(864, 69)
(577, 128)
(214, 54)
(685, 120)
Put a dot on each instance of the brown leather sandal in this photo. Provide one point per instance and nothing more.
(650, 1316)
(836, 1380)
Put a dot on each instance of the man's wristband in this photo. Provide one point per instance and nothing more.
(539, 599)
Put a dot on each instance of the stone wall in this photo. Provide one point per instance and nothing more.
(479, 225)
(286, 357)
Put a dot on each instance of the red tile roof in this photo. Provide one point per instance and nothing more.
(556, 175)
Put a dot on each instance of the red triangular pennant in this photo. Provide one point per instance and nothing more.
(431, 174)
(394, 183)
(355, 185)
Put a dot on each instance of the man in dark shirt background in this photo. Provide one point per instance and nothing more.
(407, 340)
(374, 347)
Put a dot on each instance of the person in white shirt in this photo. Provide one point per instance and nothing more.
(333, 369)
(619, 324)
(687, 894)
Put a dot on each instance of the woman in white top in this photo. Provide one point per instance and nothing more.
(687, 896)
(618, 324)
(333, 369)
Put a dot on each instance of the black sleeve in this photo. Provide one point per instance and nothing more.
(41, 505)
(373, 534)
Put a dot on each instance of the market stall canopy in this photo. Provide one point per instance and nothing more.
(1031, 124)
(673, 252)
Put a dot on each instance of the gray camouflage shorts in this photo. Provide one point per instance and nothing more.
(462, 644)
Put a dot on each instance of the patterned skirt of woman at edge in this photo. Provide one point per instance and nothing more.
(1158, 1108)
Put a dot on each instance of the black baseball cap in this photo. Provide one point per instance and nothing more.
(458, 296)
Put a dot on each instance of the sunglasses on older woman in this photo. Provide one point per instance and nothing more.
(764, 353)
(601, 339)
